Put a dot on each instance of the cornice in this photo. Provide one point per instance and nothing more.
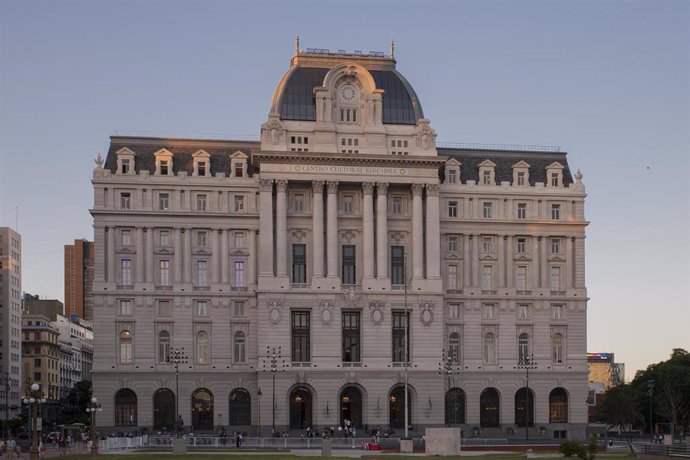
(349, 159)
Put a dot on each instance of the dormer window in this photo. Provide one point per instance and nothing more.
(521, 178)
(554, 175)
(238, 164)
(555, 182)
(125, 161)
(487, 172)
(125, 166)
(201, 168)
(238, 171)
(486, 177)
(202, 165)
(164, 168)
(163, 162)
(452, 171)
(521, 174)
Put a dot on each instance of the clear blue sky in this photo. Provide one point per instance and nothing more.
(609, 81)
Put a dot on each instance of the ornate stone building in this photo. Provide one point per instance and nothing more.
(311, 253)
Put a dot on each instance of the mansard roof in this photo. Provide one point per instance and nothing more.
(505, 160)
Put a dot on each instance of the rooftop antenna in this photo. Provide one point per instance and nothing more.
(297, 44)
(392, 48)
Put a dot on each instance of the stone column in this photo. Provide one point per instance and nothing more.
(536, 263)
(251, 268)
(149, 254)
(317, 223)
(476, 276)
(568, 275)
(223, 257)
(186, 254)
(177, 242)
(281, 227)
(139, 258)
(510, 263)
(466, 258)
(332, 229)
(543, 262)
(417, 233)
(112, 257)
(368, 230)
(214, 234)
(501, 261)
(433, 233)
(266, 227)
(382, 230)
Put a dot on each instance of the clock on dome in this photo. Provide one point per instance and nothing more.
(348, 93)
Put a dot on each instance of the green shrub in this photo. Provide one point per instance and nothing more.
(571, 447)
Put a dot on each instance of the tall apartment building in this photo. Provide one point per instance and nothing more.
(41, 354)
(343, 228)
(79, 279)
(10, 324)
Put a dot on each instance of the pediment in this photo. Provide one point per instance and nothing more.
(239, 252)
(453, 162)
(453, 257)
(556, 258)
(521, 165)
(487, 164)
(201, 252)
(522, 258)
(163, 153)
(239, 155)
(125, 151)
(201, 154)
(488, 257)
(126, 251)
(555, 165)
(165, 251)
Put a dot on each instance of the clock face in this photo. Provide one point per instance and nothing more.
(348, 93)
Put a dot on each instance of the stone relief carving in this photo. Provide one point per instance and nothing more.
(426, 313)
(326, 307)
(274, 311)
(376, 313)
(299, 235)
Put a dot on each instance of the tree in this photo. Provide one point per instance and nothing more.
(619, 407)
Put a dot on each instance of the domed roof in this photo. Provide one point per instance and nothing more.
(294, 96)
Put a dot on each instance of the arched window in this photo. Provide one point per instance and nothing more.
(202, 352)
(125, 347)
(523, 348)
(524, 407)
(351, 406)
(240, 407)
(557, 349)
(163, 346)
(396, 403)
(125, 408)
(240, 347)
(558, 406)
(455, 406)
(164, 409)
(300, 408)
(489, 348)
(202, 410)
(454, 347)
(489, 406)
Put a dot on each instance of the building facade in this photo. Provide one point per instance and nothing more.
(603, 368)
(340, 256)
(11, 322)
(41, 355)
(79, 279)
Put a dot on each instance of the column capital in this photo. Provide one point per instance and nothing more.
(432, 189)
(368, 188)
(281, 185)
(332, 186)
(417, 189)
(382, 187)
(266, 185)
(317, 186)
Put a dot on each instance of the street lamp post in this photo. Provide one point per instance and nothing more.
(93, 407)
(446, 367)
(32, 399)
(176, 357)
(275, 362)
(650, 393)
(527, 362)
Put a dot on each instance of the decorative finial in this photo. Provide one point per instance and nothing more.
(297, 44)
(99, 161)
(392, 49)
(578, 176)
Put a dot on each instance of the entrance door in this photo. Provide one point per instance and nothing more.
(396, 402)
(300, 409)
(351, 407)
(490, 409)
(524, 407)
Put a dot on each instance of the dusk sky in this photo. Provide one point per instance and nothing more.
(608, 81)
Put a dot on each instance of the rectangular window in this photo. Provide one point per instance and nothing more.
(239, 203)
(486, 177)
(521, 247)
(126, 237)
(556, 312)
(298, 202)
(164, 238)
(126, 272)
(556, 212)
(125, 307)
(201, 238)
(488, 311)
(523, 311)
(37, 375)
(349, 266)
(399, 322)
(522, 211)
(125, 200)
(37, 362)
(239, 240)
(397, 265)
(164, 272)
(351, 337)
(397, 206)
(487, 277)
(521, 278)
(201, 308)
(488, 210)
(452, 209)
(239, 273)
(239, 308)
(348, 204)
(455, 311)
(521, 178)
(164, 168)
(201, 273)
(239, 170)
(452, 244)
(556, 278)
(301, 349)
(201, 202)
(125, 166)
(163, 202)
(299, 263)
(554, 179)
(452, 277)
(487, 245)
(164, 308)
(452, 176)
(555, 245)
(201, 168)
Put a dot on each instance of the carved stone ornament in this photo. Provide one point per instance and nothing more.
(348, 236)
(376, 313)
(99, 162)
(426, 314)
(417, 189)
(350, 71)
(397, 237)
(326, 311)
(368, 188)
(299, 235)
(432, 189)
(426, 136)
(317, 186)
(272, 130)
(266, 185)
(382, 187)
(578, 175)
(332, 186)
(281, 185)
(274, 311)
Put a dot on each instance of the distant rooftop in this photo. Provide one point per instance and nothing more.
(357, 53)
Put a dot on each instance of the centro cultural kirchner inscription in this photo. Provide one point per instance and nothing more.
(338, 169)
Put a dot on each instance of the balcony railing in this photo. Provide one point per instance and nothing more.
(239, 288)
(559, 293)
(524, 292)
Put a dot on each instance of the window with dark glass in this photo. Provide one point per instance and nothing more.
(299, 263)
(399, 318)
(349, 267)
(351, 341)
(300, 337)
(397, 265)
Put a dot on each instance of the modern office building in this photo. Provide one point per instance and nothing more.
(603, 368)
(79, 279)
(10, 322)
(342, 255)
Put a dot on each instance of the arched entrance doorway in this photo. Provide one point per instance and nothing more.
(489, 404)
(125, 408)
(300, 408)
(351, 406)
(202, 410)
(524, 407)
(455, 407)
(240, 409)
(396, 403)
(164, 409)
(558, 406)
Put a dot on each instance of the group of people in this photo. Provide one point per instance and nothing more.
(10, 448)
